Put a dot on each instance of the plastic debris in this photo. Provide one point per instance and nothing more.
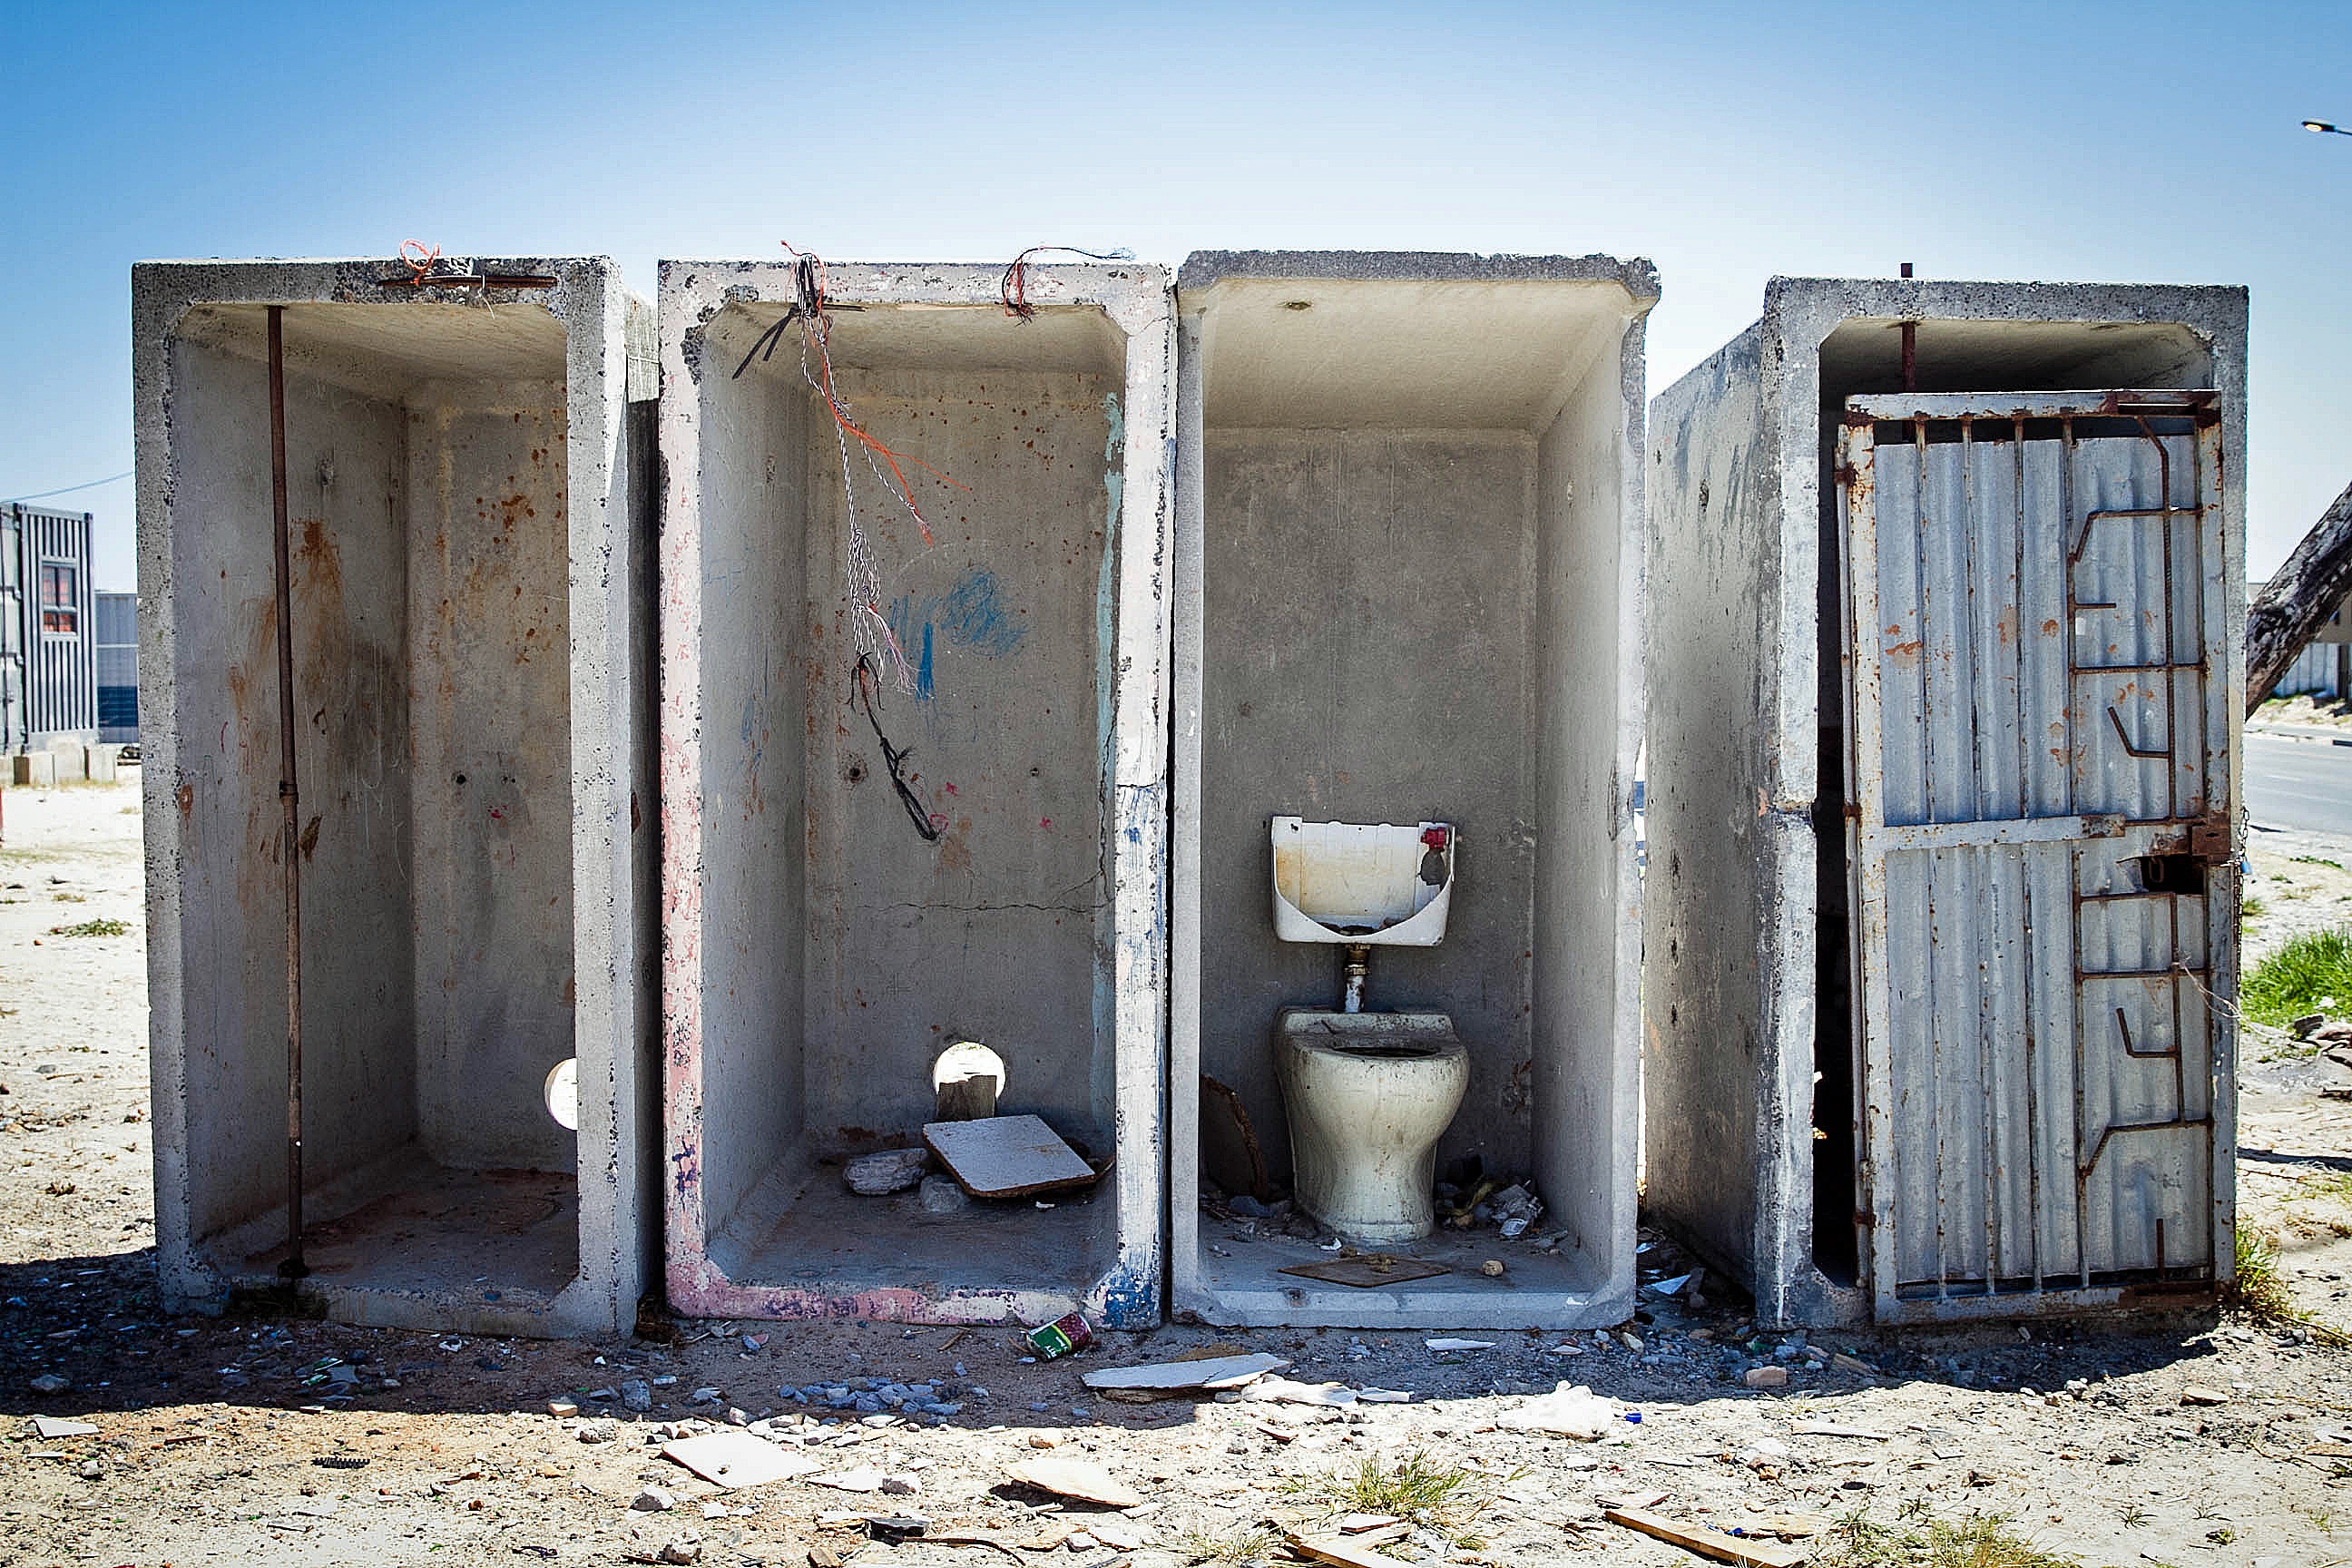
(1566, 1412)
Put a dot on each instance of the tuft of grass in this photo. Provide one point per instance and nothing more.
(1980, 1541)
(1235, 1546)
(2252, 907)
(101, 927)
(2309, 971)
(2316, 860)
(2259, 1287)
(1428, 1492)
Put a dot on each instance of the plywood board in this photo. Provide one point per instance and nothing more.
(1007, 1157)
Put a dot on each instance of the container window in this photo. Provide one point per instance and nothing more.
(60, 598)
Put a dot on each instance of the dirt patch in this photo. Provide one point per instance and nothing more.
(256, 1436)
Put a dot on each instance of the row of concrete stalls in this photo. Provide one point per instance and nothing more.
(1945, 670)
(1007, 620)
(394, 573)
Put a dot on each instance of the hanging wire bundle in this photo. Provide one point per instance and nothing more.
(870, 629)
(1014, 287)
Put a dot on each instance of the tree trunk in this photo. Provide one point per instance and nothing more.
(2300, 598)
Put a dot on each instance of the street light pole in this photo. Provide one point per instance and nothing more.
(2322, 128)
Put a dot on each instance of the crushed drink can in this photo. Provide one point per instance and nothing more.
(1066, 1334)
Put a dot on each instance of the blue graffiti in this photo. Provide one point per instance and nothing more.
(972, 614)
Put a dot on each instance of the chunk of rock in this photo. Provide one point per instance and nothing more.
(1766, 1377)
(941, 1195)
(51, 1383)
(637, 1395)
(654, 1499)
(599, 1431)
(891, 1170)
(2197, 1394)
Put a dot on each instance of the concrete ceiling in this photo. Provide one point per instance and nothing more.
(390, 350)
(1959, 355)
(1063, 338)
(1403, 353)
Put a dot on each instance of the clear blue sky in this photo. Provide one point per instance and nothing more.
(2144, 143)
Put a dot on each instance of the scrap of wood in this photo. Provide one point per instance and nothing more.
(1078, 1478)
(1831, 1429)
(968, 1539)
(1367, 1271)
(1336, 1549)
(1705, 1541)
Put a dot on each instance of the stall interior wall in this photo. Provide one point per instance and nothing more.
(843, 949)
(1405, 623)
(430, 604)
(1860, 357)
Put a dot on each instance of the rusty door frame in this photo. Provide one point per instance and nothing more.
(2210, 835)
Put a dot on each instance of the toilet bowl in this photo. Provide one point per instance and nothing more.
(1367, 1095)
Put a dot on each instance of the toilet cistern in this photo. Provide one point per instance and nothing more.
(1360, 886)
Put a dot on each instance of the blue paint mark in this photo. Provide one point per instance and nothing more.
(973, 615)
(1129, 1297)
(1117, 427)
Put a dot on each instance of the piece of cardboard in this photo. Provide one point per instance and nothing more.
(735, 1459)
(1367, 1270)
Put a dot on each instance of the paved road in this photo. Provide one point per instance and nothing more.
(2299, 783)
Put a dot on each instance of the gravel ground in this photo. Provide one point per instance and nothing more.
(261, 1437)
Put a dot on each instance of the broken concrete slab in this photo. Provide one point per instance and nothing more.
(736, 1459)
(1221, 1371)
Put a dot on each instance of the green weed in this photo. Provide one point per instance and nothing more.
(1980, 1541)
(102, 927)
(2309, 971)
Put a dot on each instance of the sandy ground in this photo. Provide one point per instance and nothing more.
(233, 1439)
(2306, 709)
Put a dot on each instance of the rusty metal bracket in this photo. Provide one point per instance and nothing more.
(2209, 839)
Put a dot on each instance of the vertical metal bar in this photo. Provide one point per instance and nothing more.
(2027, 859)
(1910, 348)
(290, 848)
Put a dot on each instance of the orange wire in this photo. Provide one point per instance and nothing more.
(850, 427)
(420, 266)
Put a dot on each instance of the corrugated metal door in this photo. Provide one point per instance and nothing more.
(2042, 853)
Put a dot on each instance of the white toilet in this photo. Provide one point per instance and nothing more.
(1367, 1094)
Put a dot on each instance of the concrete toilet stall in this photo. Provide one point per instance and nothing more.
(922, 806)
(1946, 668)
(470, 645)
(1409, 592)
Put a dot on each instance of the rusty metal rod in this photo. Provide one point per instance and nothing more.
(290, 836)
(1910, 348)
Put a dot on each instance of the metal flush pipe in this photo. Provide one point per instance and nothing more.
(290, 848)
(1358, 962)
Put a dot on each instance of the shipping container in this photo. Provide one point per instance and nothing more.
(49, 694)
